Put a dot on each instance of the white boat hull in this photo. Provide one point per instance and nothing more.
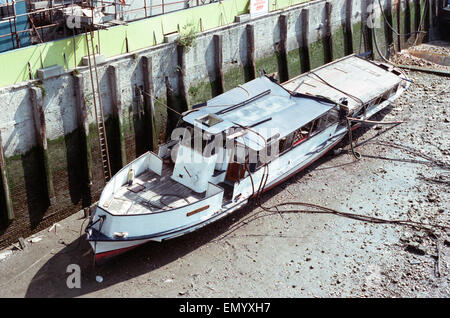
(105, 247)
(113, 232)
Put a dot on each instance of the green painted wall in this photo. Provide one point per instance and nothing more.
(21, 64)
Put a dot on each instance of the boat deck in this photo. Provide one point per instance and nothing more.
(150, 193)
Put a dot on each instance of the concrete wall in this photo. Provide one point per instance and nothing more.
(34, 210)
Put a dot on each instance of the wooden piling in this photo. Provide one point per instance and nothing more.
(426, 22)
(83, 125)
(305, 56)
(5, 192)
(41, 136)
(398, 10)
(149, 105)
(367, 30)
(407, 22)
(172, 117)
(116, 98)
(283, 71)
(218, 62)
(328, 38)
(182, 83)
(348, 33)
(417, 16)
(387, 26)
(434, 14)
(251, 67)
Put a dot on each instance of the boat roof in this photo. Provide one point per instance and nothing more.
(351, 77)
(262, 105)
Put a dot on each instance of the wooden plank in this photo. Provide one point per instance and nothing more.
(203, 208)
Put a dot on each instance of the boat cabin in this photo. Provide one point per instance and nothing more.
(238, 132)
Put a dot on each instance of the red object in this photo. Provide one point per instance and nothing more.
(101, 258)
(122, 2)
(299, 141)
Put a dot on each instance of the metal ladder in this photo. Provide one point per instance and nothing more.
(101, 130)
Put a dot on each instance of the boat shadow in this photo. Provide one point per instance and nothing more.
(51, 279)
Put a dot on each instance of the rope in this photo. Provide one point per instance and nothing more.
(403, 34)
(328, 84)
(375, 122)
(155, 99)
(325, 210)
(355, 154)
(415, 41)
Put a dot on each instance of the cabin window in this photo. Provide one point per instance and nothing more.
(302, 133)
(332, 117)
(285, 143)
(315, 126)
(318, 125)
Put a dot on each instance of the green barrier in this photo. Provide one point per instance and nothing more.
(21, 64)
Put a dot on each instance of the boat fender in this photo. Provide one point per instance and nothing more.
(130, 176)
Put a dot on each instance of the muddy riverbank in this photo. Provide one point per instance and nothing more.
(403, 174)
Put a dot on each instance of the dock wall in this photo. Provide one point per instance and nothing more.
(51, 159)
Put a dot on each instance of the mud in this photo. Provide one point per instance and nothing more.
(434, 50)
(403, 174)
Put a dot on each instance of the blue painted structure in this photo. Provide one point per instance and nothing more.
(9, 42)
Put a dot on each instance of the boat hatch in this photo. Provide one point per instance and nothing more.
(209, 120)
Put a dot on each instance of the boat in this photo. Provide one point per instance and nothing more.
(235, 147)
